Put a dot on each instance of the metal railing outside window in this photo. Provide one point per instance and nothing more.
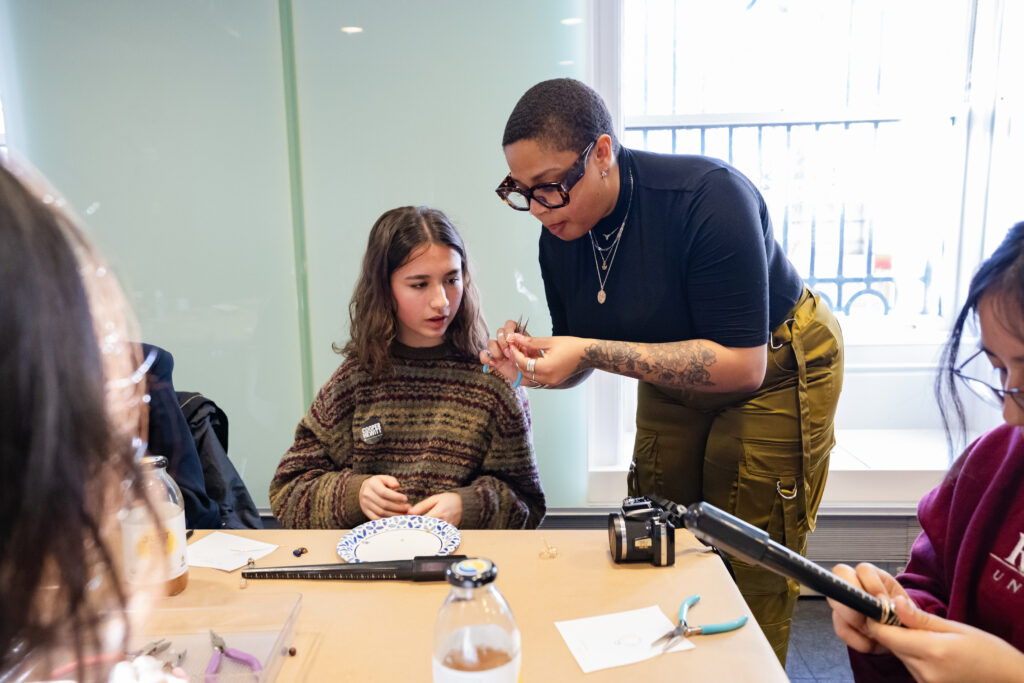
(833, 245)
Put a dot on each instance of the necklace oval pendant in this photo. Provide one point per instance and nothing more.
(601, 296)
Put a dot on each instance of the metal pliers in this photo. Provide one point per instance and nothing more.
(151, 649)
(684, 630)
(220, 649)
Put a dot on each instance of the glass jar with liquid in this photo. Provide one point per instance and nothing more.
(476, 639)
(154, 550)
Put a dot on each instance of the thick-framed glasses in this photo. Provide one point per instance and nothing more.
(986, 381)
(551, 195)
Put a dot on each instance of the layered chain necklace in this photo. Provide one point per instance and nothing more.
(611, 250)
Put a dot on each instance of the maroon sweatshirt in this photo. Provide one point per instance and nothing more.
(968, 563)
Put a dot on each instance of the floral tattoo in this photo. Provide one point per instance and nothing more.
(682, 365)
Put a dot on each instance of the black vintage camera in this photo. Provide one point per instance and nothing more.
(642, 532)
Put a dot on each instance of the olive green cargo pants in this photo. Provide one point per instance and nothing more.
(761, 456)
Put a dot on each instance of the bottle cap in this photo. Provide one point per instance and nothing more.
(153, 461)
(471, 573)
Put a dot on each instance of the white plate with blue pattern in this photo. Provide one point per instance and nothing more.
(399, 538)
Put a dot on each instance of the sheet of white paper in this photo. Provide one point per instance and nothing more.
(226, 552)
(615, 639)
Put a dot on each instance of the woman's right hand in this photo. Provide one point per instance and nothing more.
(850, 625)
(378, 497)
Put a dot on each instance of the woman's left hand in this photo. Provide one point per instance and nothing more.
(937, 649)
(446, 506)
(547, 361)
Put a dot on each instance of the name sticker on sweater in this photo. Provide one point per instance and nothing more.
(372, 430)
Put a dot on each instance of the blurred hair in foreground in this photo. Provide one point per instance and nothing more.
(72, 419)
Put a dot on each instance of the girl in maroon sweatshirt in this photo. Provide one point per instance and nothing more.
(962, 596)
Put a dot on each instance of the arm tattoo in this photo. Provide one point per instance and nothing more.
(683, 365)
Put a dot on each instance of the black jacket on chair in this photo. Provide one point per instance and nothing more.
(225, 487)
(171, 437)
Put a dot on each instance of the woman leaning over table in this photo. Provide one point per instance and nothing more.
(961, 595)
(665, 268)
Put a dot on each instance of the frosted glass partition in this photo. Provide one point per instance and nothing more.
(172, 129)
(163, 124)
(411, 111)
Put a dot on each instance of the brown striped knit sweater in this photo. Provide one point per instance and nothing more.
(447, 426)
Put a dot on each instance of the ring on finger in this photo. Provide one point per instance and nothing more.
(531, 365)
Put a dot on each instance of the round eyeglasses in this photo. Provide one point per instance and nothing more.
(978, 373)
(550, 195)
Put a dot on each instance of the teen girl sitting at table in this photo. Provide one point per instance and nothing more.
(961, 595)
(408, 424)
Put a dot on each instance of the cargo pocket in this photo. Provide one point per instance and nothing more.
(773, 471)
(645, 470)
(770, 502)
(768, 489)
(766, 458)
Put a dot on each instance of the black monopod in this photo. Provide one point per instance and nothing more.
(735, 536)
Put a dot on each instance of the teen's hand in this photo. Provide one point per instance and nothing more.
(554, 359)
(446, 506)
(937, 650)
(497, 357)
(851, 626)
(378, 497)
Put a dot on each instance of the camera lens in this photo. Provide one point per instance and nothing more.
(617, 535)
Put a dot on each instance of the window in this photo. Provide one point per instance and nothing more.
(855, 139)
(866, 125)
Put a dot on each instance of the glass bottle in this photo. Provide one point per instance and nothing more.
(475, 637)
(153, 555)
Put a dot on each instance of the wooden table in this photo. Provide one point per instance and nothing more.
(383, 630)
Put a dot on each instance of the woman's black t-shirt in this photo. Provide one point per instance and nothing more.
(697, 260)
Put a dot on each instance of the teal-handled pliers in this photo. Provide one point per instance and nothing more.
(684, 630)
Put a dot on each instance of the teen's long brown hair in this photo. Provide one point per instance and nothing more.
(395, 238)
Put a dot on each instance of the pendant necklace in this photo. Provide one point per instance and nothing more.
(606, 265)
(604, 250)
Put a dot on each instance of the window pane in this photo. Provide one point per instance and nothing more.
(845, 114)
(709, 56)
